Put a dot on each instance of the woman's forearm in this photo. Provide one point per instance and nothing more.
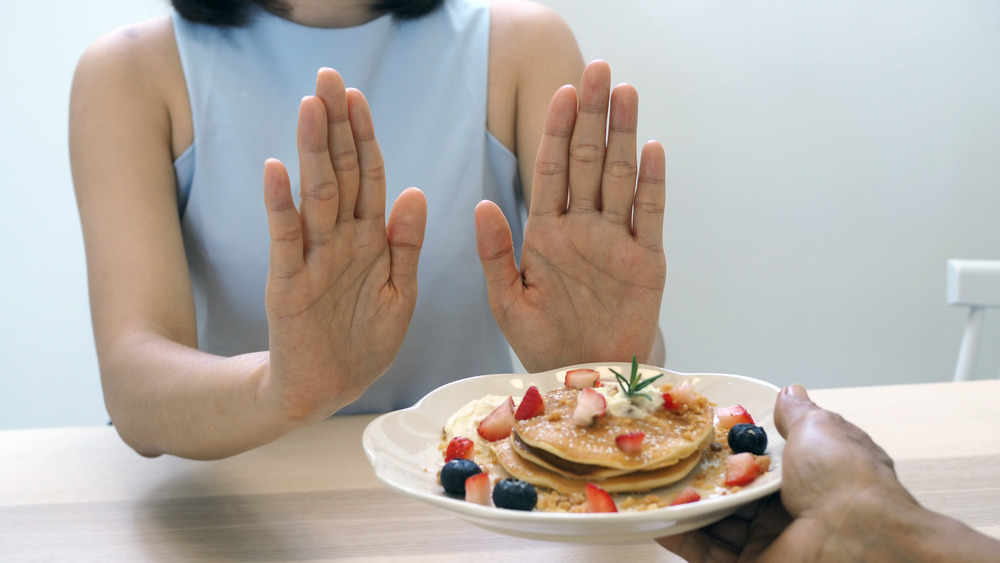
(167, 398)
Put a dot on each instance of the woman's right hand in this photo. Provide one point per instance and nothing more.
(342, 282)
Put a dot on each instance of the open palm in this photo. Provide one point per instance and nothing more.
(342, 282)
(592, 267)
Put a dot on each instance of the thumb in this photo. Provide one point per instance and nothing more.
(405, 229)
(792, 405)
(495, 247)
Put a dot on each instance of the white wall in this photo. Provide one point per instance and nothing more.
(49, 371)
(824, 161)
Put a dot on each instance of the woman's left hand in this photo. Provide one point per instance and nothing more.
(592, 266)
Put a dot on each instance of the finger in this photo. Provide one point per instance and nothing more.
(551, 176)
(405, 229)
(650, 197)
(792, 405)
(495, 247)
(587, 144)
(730, 531)
(691, 546)
(618, 178)
(771, 523)
(340, 139)
(284, 226)
(317, 182)
(371, 191)
(795, 412)
(697, 547)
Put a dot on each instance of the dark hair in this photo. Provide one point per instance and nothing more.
(235, 13)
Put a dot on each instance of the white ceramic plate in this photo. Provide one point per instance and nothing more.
(402, 447)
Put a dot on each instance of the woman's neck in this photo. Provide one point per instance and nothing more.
(330, 13)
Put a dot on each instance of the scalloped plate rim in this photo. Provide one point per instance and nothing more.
(624, 526)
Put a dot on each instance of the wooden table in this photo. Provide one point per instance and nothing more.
(80, 494)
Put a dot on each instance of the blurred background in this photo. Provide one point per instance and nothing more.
(824, 161)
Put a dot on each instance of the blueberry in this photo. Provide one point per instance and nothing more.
(515, 494)
(455, 472)
(747, 438)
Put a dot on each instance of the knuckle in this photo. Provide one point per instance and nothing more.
(619, 169)
(345, 161)
(549, 168)
(374, 174)
(643, 206)
(586, 153)
(321, 191)
(287, 235)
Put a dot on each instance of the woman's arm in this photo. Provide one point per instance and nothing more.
(532, 54)
(163, 395)
(533, 49)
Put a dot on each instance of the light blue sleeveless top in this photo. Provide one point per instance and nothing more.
(426, 82)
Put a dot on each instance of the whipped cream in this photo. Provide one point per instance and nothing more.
(618, 404)
(466, 420)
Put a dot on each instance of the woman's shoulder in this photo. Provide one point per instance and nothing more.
(532, 53)
(522, 26)
(135, 51)
(136, 64)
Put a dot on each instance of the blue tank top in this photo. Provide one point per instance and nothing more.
(426, 82)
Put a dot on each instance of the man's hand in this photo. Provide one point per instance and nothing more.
(840, 501)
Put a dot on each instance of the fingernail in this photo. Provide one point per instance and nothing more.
(796, 390)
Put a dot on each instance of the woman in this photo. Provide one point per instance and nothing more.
(222, 323)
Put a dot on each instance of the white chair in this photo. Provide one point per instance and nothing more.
(974, 284)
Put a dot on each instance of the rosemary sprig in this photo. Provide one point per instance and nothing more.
(632, 387)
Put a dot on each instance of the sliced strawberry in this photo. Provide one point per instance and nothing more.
(589, 406)
(582, 378)
(668, 402)
(683, 395)
(460, 447)
(599, 500)
(498, 424)
(732, 415)
(686, 496)
(741, 469)
(531, 405)
(477, 489)
(631, 442)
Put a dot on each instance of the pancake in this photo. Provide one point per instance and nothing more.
(670, 435)
(578, 470)
(558, 465)
(636, 481)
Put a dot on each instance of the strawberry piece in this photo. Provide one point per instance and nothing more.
(732, 415)
(589, 405)
(683, 395)
(686, 496)
(599, 500)
(531, 405)
(631, 442)
(582, 378)
(477, 489)
(741, 469)
(668, 402)
(459, 447)
(498, 424)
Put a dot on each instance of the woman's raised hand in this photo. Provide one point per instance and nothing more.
(342, 283)
(592, 268)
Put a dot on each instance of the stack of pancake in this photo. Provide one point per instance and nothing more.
(552, 451)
